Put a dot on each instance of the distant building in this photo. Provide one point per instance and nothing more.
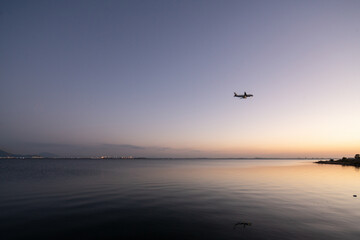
(357, 156)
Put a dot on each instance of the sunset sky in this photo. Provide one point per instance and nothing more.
(156, 78)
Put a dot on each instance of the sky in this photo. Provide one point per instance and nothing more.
(156, 78)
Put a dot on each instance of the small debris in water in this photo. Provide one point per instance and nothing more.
(242, 223)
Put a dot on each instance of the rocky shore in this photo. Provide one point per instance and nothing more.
(344, 161)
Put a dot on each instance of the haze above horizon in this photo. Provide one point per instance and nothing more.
(156, 78)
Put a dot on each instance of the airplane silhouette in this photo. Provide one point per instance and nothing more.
(243, 96)
(244, 224)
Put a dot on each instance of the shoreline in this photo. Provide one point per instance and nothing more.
(343, 162)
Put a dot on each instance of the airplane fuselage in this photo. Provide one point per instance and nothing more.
(245, 95)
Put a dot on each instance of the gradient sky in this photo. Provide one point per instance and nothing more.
(156, 78)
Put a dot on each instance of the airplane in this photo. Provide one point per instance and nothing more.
(242, 223)
(243, 96)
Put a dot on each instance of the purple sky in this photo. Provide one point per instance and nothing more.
(156, 78)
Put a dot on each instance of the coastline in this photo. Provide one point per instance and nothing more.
(343, 161)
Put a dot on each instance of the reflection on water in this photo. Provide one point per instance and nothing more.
(178, 199)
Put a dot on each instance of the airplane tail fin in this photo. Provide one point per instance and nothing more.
(235, 94)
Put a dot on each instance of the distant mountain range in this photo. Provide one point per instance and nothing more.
(4, 154)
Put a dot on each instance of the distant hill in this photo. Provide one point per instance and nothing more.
(5, 154)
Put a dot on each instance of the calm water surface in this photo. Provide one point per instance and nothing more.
(178, 199)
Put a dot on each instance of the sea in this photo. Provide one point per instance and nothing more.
(178, 199)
